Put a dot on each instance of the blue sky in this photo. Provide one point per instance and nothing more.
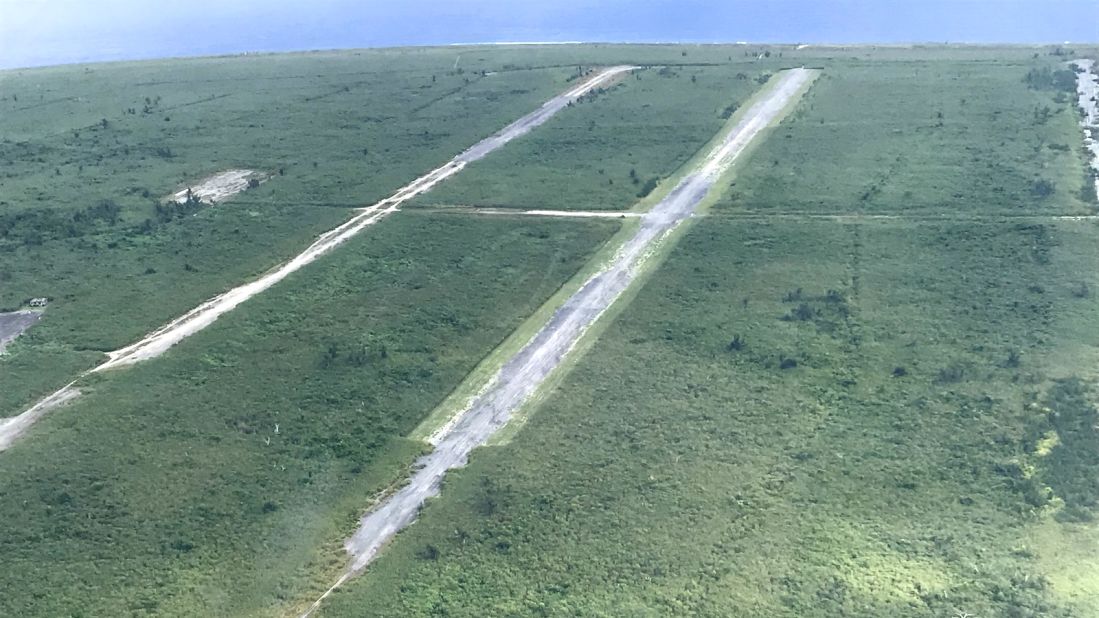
(34, 32)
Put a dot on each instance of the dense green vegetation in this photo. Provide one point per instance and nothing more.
(87, 153)
(218, 479)
(808, 410)
(792, 419)
(932, 137)
(652, 122)
(801, 417)
(88, 150)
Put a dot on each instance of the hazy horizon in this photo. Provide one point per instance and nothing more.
(43, 32)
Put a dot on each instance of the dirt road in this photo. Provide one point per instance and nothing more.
(12, 428)
(205, 314)
(549, 108)
(524, 373)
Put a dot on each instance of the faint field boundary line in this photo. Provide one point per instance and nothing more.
(790, 216)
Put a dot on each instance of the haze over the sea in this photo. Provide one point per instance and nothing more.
(43, 32)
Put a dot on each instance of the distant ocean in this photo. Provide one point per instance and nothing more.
(37, 32)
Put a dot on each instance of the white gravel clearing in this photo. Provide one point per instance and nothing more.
(219, 187)
(520, 376)
(157, 342)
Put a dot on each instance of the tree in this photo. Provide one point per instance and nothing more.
(1042, 188)
(1045, 78)
(648, 187)
(330, 355)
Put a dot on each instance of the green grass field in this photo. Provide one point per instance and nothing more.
(88, 151)
(813, 417)
(219, 479)
(897, 420)
(337, 131)
(939, 138)
(862, 383)
(653, 122)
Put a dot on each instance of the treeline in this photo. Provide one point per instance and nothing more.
(35, 226)
(1046, 78)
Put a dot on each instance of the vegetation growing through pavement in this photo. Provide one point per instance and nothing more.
(237, 460)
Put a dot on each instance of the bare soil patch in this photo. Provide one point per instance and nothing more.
(13, 324)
